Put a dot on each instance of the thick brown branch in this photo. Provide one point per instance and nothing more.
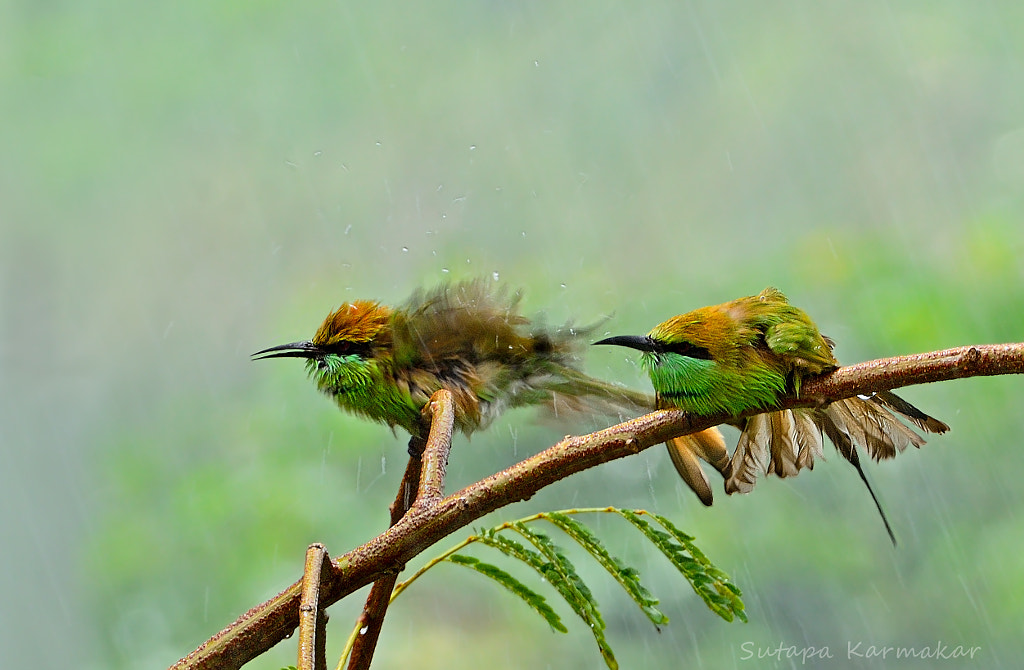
(264, 626)
(888, 373)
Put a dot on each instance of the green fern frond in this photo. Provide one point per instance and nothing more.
(710, 583)
(560, 572)
(549, 560)
(628, 577)
(535, 600)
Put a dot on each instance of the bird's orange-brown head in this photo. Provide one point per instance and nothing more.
(357, 322)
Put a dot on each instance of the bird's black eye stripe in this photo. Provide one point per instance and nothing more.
(345, 348)
(686, 349)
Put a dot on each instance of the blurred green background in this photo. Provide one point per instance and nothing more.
(184, 183)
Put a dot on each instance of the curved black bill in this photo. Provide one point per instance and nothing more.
(641, 342)
(291, 350)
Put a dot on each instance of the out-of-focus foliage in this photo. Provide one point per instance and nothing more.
(184, 183)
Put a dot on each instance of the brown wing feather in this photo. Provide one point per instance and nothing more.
(750, 457)
(686, 453)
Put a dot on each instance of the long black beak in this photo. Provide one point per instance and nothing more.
(641, 342)
(292, 350)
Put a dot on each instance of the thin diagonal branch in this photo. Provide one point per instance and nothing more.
(372, 617)
(265, 625)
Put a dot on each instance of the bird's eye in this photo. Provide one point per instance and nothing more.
(687, 349)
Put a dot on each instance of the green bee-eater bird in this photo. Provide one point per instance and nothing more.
(745, 354)
(384, 363)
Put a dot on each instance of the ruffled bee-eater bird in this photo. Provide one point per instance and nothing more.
(468, 337)
(746, 354)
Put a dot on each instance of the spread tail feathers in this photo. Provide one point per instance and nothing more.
(897, 404)
(780, 443)
(785, 442)
(840, 435)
